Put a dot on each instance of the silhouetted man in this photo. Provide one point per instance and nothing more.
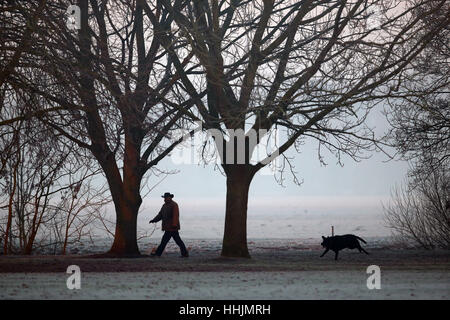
(169, 214)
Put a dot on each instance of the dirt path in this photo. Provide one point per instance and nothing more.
(209, 261)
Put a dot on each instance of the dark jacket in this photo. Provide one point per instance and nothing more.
(170, 216)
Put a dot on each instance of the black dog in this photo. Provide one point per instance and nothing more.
(337, 243)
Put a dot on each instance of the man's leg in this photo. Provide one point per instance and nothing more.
(162, 245)
(180, 243)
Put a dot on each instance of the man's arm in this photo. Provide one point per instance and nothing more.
(157, 218)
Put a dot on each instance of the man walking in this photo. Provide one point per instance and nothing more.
(169, 214)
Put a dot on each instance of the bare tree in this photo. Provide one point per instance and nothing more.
(420, 213)
(11, 147)
(19, 21)
(421, 124)
(108, 85)
(74, 216)
(312, 68)
(38, 172)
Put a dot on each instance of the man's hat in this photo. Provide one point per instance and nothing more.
(167, 194)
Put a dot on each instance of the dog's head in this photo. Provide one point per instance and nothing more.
(325, 241)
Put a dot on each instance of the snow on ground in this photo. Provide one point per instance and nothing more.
(279, 269)
(228, 285)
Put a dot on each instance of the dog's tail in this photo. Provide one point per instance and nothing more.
(360, 239)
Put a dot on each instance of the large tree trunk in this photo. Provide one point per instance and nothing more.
(127, 200)
(125, 237)
(234, 243)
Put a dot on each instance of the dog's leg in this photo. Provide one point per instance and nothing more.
(326, 250)
(361, 249)
(336, 254)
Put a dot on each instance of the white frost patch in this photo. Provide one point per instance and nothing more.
(350, 284)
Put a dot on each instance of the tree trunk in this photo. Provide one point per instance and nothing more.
(29, 247)
(126, 197)
(7, 245)
(125, 237)
(128, 200)
(234, 243)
